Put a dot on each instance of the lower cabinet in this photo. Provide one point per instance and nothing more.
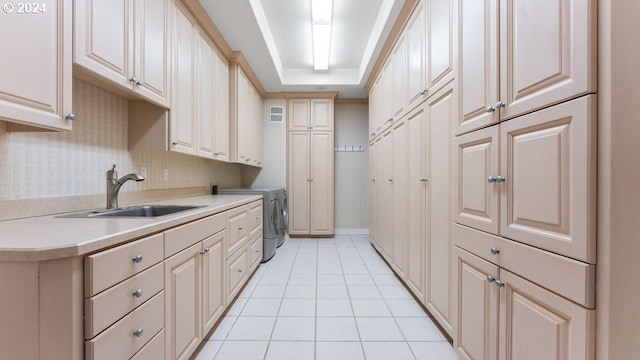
(503, 316)
(241, 264)
(193, 295)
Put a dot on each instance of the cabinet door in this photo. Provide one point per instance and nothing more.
(221, 110)
(477, 299)
(387, 195)
(477, 201)
(415, 36)
(151, 56)
(373, 194)
(373, 105)
(441, 19)
(478, 60)
(440, 108)
(182, 113)
(399, 208)
(557, 63)
(182, 286)
(417, 186)
(213, 277)
(205, 104)
(254, 218)
(387, 95)
(549, 196)
(399, 77)
(299, 114)
(244, 112)
(321, 208)
(537, 324)
(104, 38)
(322, 114)
(33, 91)
(237, 272)
(298, 182)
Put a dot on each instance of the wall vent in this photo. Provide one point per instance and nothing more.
(276, 114)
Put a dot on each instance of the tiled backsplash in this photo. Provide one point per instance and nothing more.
(47, 167)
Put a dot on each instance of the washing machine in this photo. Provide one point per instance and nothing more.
(284, 216)
(271, 226)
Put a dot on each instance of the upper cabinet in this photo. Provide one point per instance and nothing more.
(125, 42)
(415, 40)
(246, 118)
(36, 94)
(507, 72)
(310, 114)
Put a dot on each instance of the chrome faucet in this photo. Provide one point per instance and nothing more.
(114, 184)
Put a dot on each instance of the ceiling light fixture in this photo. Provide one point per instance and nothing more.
(321, 19)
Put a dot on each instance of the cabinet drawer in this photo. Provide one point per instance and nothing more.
(107, 307)
(119, 341)
(107, 268)
(254, 218)
(254, 252)
(237, 232)
(236, 274)
(570, 278)
(154, 350)
(182, 237)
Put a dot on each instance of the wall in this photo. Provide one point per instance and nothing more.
(45, 173)
(274, 171)
(351, 175)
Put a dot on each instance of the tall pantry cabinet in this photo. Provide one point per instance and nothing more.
(411, 189)
(310, 166)
(525, 170)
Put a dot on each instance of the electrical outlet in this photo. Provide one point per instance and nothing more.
(143, 171)
(166, 174)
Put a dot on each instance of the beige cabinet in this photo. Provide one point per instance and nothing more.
(246, 119)
(415, 35)
(194, 300)
(310, 114)
(310, 183)
(439, 109)
(417, 210)
(36, 94)
(441, 57)
(372, 194)
(125, 42)
(532, 179)
(398, 63)
(507, 71)
(504, 316)
(399, 183)
(221, 110)
(386, 172)
(182, 116)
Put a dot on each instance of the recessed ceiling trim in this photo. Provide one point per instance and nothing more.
(263, 24)
(376, 33)
(330, 77)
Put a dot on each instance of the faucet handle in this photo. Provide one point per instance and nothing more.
(112, 174)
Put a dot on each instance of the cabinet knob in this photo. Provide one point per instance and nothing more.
(137, 259)
(390, 180)
(257, 217)
(70, 116)
(201, 252)
(491, 279)
(490, 109)
(500, 284)
(239, 270)
(133, 79)
(138, 332)
(174, 143)
(240, 228)
(500, 105)
(424, 92)
(257, 251)
(424, 179)
(139, 83)
(216, 154)
(138, 293)
(495, 251)
(207, 250)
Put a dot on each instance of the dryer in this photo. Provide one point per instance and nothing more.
(271, 226)
(284, 216)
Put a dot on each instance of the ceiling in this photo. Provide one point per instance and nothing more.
(275, 38)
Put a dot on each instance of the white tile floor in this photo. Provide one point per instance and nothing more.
(326, 299)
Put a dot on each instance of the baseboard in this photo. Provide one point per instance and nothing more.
(364, 231)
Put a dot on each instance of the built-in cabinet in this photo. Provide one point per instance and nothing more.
(36, 94)
(310, 167)
(246, 118)
(125, 42)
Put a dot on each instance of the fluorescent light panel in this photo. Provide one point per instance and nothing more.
(321, 17)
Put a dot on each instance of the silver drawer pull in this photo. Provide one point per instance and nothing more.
(207, 250)
(490, 279)
(495, 251)
(239, 270)
(137, 259)
(500, 284)
(138, 293)
(138, 332)
(240, 228)
(257, 217)
(257, 251)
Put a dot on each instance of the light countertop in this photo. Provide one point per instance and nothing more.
(52, 237)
